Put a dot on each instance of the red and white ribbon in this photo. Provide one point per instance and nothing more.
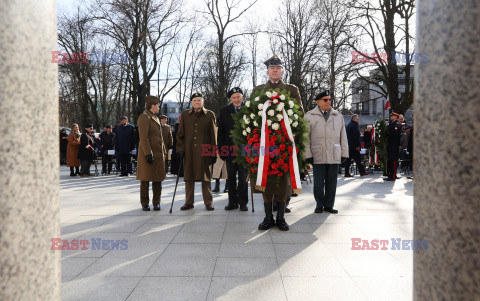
(264, 152)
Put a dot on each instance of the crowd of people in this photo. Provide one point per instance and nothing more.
(159, 149)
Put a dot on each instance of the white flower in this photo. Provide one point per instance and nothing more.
(275, 126)
(269, 122)
(271, 112)
(257, 98)
(274, 94)
(282, 97)
(252, 115)
(255, 124)
(275, 101)
(247, 104)
(291, 104)
(244, 133)
(295, 124)
(260, 106)
(295, 116)
(247, 121)
(260, 113)
(279, 116)
(248, 130)
(290, 112)
(280, 106)
(269, 94)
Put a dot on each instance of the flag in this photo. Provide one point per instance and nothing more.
(387, 105)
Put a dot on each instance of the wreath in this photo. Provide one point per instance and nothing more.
(379, 144)
(247, 134)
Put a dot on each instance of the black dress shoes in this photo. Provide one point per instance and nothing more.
(231, 206)
(243, 208)
(318, 210)
(146, 208)
(156, 207)
(331, 210)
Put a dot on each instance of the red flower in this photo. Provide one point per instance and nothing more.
(278, 132)
(284, 166)
(255, 160)
(256, 137)
(296, 148)
(253, 170)
(284, 155)
(280, 174)
(283, 139)
(280, 162)
(250, 141)
(274, 172)
(274, 166)
(282, 147)
(255, 130)
(289, 148)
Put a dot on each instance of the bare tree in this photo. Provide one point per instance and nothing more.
(382, 31)
(297, 38)
(145, 29)
(222, 62)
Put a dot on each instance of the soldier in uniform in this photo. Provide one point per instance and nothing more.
(394, 135)
(281, 194)
(151, 150)
(196, 143)
(167, 140)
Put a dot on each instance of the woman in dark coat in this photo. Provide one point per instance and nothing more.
(63, 146)
(86, 152)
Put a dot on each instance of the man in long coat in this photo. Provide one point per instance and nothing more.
(151, 150)
(394, 135)
(196, 143)
(237, 193)
(354, 146)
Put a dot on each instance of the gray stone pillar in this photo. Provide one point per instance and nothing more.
(447, 148)
(29, 152)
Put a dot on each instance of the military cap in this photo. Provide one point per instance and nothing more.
(152, 99)
(322, 94)
(196, 94)
(274, 61)
(108, 126)
(124, 117)
(163, 117)
(89, 126)
(233, 91)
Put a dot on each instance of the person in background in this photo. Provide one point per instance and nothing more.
(86, 151)
(72, 150)
(393, 145)
(220, 172)
(106, 143)
(124, 145)
(353, 136)
(167, 140)
(63, 146)
(367, 137)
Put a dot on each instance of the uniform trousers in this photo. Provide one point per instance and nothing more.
(190, 191)
(237, 190)
(157, 191)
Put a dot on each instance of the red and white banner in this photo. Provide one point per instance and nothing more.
(264, 157)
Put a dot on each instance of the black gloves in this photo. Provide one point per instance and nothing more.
(149, 159)
(310, 160)
(213, 160)
(180, 154)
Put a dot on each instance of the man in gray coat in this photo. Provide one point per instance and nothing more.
(328, 147)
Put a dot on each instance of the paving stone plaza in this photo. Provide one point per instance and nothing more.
(221, 255)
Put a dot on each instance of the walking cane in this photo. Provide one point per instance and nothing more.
(176, 184)
(251, 191)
